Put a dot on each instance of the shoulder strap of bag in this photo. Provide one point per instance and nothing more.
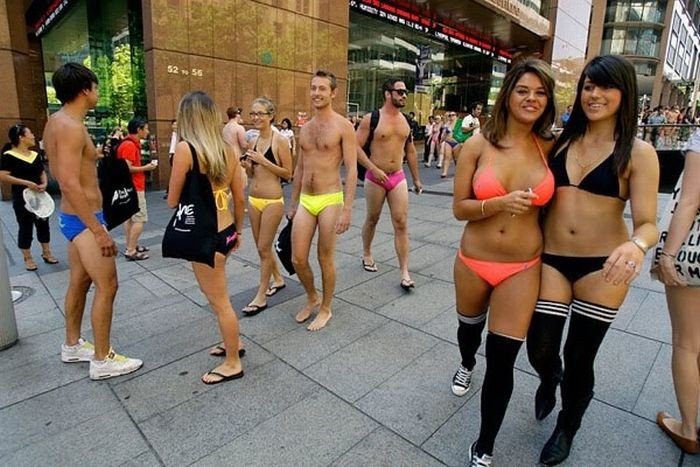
(195, 159)
(373, 122)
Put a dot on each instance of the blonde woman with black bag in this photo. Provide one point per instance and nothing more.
(202, 150)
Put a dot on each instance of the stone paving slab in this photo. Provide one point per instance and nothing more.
(221, 413)
(111, 437)
(383, 448)
(417, 400)
(359, 367)
(312, 432)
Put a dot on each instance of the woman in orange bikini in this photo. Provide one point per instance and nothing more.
(202, 147)
(590, 257)
(267, 164)
(502, 180)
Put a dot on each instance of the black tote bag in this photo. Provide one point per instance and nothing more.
(119, 198)
(191, 232)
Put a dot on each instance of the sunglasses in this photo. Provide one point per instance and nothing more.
(400, 92)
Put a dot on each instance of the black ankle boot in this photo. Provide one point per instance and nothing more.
(545, 400)
(557, 448)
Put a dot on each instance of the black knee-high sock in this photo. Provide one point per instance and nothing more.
(588, 326)
(544, 339)
(469, 338)
(501, 353)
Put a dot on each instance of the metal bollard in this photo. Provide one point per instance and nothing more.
(8, 323)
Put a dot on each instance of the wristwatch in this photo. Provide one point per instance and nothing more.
(639, 243)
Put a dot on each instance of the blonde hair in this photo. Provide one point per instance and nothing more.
(198, 124)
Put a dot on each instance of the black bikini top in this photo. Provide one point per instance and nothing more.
(268, 154)
(602, 180)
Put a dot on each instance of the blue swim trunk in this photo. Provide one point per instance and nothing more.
(71, 225)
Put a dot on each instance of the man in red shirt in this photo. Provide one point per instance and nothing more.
(130, 150)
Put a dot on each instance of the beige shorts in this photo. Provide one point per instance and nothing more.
(142, 215)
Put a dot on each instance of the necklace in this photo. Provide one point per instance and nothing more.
(585, 165)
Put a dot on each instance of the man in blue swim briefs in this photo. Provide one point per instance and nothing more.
(385, 179)
(91, 250)
(325, 142)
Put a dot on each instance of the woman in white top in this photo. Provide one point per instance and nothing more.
(683, 303)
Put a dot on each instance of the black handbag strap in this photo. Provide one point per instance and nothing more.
(195, 159)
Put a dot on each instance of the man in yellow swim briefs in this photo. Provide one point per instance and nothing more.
(325, 142)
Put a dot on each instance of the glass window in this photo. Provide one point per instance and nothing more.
(107, 37)
(631, 41)
(648, 43)
(672, 49)
(654, 11)
(438, 75)
(617, 43)
(676, 22)
(635, 12)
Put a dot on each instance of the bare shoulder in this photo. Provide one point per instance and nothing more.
(474, 146)
(343, 123)
(641, 150)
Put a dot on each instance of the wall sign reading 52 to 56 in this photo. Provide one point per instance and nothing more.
(176, 70)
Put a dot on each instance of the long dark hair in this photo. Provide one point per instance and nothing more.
(616, 72)
(495, 128)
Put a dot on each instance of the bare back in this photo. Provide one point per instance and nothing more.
(389, 141)
(231, 133)
(321, 142)
(70, 151)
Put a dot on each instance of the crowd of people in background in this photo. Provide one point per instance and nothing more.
(530, 271)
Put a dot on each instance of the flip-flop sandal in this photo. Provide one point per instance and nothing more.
(142, 249)
(49, 259)
(224, 378)
(273, 289)
(138, 256)
(252, 309)
(220, 351)
(407, 284)
(369, 267)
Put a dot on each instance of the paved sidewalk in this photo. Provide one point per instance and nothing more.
(372, 389)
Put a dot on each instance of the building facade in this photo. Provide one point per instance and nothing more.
(148, 53)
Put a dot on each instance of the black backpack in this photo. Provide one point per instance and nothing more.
(373, 122)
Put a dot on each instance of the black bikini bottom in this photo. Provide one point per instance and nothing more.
(574, 267)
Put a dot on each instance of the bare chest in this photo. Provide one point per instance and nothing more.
(320, 137)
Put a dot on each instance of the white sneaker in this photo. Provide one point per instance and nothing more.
(476, 460)
(83, 351)
(113, 365)
(461, 381)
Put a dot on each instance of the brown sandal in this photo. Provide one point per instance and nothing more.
(30, 265)
(49, 259)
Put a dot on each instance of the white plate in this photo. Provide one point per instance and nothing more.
(39, 203)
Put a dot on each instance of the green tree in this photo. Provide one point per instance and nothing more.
(122, 84)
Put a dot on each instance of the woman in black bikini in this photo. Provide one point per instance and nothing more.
(199, 130)
(267, 164)
(589, 257)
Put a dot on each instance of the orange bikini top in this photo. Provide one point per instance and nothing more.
(487, 186)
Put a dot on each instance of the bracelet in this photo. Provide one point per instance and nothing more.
(665, 253)
(639, 243)
(483, 213)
